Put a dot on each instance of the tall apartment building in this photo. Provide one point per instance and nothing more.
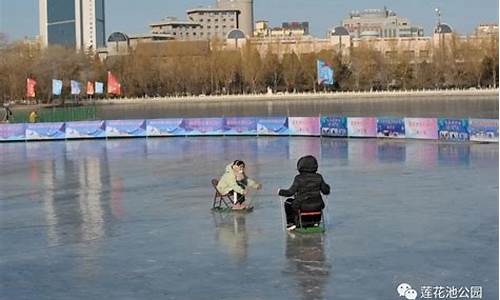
(380, 23)
(79, 24)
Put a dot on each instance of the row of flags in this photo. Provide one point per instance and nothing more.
(92, 88)
(325, 77)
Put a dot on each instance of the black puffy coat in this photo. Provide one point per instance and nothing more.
(307, 186)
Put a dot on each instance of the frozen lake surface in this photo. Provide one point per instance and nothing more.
(131, 219)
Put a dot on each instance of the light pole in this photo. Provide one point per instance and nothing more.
(438, 13)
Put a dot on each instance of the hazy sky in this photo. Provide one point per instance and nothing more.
(19, 18)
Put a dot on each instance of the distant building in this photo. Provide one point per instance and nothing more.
(288, 29)
(209, 23)
(486, 30)
(246, 15)
(378, 23)
(202, 24)
(79, 24)
(179, 30)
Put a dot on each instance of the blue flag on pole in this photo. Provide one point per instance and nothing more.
(75, 87)
(57, 87)
(99, 87)
(325, 73)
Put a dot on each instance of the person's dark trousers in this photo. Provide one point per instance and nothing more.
(290, 212)
(239, 197)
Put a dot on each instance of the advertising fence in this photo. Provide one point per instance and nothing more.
(453, 130)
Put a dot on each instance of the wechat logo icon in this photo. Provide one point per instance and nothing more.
(405, 290)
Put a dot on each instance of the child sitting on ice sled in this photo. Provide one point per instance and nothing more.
(307, 188)
(235, 181)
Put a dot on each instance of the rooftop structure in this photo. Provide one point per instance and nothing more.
(373, 23)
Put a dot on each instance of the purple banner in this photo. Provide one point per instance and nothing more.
(391, 128)
(273, 126)
(45, 131)
(483, 130)
(203, 126)
(165, 127)
(85, 129)
(304, 126)
(12, 132)
(240, 126)
(126, 128)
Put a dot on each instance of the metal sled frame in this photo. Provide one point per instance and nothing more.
(303, 225)
(220, 201)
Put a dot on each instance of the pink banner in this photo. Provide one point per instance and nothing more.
(362, 127)
(421, 128)
(304, 126)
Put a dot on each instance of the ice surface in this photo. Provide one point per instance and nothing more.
(131, 219)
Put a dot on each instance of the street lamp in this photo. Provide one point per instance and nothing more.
(438, 12)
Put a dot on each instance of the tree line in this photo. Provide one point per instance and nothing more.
(173, 70)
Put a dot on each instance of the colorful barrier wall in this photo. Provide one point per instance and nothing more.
(455, 130)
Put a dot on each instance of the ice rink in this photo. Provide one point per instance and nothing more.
(131, 219)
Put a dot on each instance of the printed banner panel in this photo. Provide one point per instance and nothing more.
(165, 127)
(126, 128)
(240, 126)
(456, 130)
(334, 126)
(391, 128)
(45, 131)
(203, 126)
(308, 126)
(483, 130)
(362, 127)
(273, 126)
(421, 128)
(12, 132)
(85, 129)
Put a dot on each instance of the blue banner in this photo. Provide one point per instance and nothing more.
(165, 127)
(99, 87)
(203, 126)
(126, 128)
(85, 129)
(75, 88)
(334, 126)
(483, 130)
(273, 126)
(45, 131)
(325, 73)
(240, 126)
(12, 132)
(57, 87)
(391, 127)
(453, 129)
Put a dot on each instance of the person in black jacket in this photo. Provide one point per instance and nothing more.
(306, 189)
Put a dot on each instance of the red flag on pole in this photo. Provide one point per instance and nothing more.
(90, 88)
(114, 86)
(30, 88)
